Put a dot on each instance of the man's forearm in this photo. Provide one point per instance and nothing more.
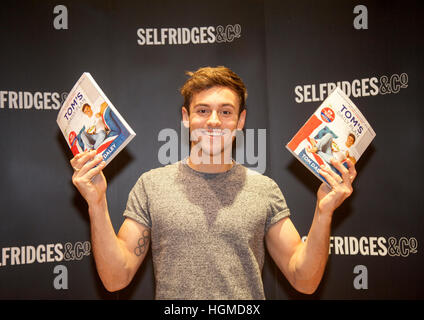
(311, 256)
(109, 254)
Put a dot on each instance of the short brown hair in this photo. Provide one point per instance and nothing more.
(85, 106)
(208, 77)
(353, 137)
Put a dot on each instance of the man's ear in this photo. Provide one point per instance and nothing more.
(241, 120)
(185, 117)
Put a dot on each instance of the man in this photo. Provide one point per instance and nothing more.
(95, 134)
(207, 220)
(328, 149)
(343, 151)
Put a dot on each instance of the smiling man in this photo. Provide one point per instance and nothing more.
(213, 114)
(208, 218)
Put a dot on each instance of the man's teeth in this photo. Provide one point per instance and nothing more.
(213, 132)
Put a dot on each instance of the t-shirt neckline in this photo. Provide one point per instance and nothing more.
(184, 164)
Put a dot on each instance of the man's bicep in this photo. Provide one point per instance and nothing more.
(282, 240)
(135, 237)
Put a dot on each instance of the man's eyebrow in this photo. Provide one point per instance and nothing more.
(222, 105)
(228, 104)
(225, 104)
(201, 105)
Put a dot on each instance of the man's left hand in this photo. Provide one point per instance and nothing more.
(329, 199)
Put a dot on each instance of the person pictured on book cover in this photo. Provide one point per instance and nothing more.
(343, 150)
(327, 148)
(94, 132)
(207, 222)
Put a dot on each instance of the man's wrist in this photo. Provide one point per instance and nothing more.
(95, 208)
(325, 216)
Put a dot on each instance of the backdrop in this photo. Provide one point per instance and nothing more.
(289, 53)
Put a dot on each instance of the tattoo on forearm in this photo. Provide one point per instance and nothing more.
(143, 243)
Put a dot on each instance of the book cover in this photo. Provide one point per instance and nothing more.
(89, 121)
(337, 129)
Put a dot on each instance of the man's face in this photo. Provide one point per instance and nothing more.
(214, 117)
(87, 110)
(350, 141)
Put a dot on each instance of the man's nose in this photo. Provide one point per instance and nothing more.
(213, 119)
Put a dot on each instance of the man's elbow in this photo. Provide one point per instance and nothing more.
(306, 287)
(307, 290)
(114, 285)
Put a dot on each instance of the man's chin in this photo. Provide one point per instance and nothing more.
(209, 155)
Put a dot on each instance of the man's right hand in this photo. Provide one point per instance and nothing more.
(88, 177)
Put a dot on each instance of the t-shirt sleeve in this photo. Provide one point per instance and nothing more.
(277, 206)
(137, 205)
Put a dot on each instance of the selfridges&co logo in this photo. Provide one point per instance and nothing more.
(370, 86)
(44, 253)
(184, 36)
(373, 246)
(25, 100)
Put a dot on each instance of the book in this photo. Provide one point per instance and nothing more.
(337, 129)
(89, 121)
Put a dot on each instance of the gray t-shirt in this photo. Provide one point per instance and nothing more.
(207, 230)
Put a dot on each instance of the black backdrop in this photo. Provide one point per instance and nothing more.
(286, 52)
